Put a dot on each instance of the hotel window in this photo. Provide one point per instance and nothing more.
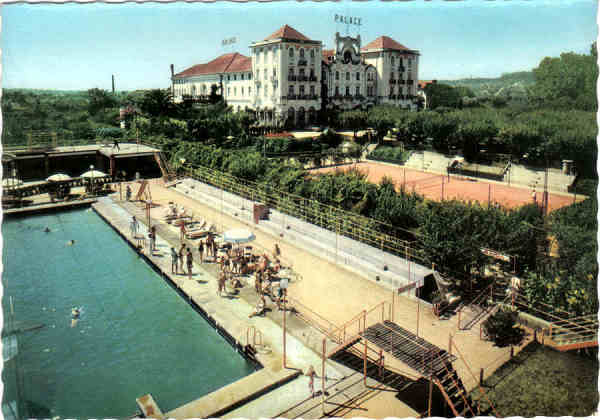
(274, 72)
(357, 90)
(228, 77)
(291, 90)
(392, 60)
(357, 75)
(235, 77)
(312, 90)
(302, 90)
(301, 73)
(242, 91)
(234, 91)
(249, 76)
(301, 52)
(249, 91)
(337, 75)
(228, 91)
(392, 75)
(264, 74)
(347, 90)
(391, 90)
(242, 76)
(312, 54)
(347, 75)
(409, 62)
(337, 91)
(291, 53)
(291, 71)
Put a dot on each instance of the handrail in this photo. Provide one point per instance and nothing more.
(325, 330)
(448, 400)
(462, 394)
(481, 390)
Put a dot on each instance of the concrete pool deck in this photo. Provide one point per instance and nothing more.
(231, 316)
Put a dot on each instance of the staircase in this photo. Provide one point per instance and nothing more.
(164, 166)
(454, 391)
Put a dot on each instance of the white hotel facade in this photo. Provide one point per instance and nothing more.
(289, 77)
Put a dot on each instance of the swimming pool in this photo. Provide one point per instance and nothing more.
(136, 335)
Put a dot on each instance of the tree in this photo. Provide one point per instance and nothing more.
(567, 81)
(380, 122)
(156, 103)
(440, 94)
(354, 120)
(99, 100)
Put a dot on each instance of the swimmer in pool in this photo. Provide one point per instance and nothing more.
(75, 314)
(71, 242)
(47, 229)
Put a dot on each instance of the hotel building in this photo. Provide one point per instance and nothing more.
(289, 78)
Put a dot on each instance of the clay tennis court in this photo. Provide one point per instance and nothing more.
(441, 187)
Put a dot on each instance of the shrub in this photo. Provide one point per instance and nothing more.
(501, 328)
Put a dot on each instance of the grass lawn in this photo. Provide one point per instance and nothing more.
(540, 381)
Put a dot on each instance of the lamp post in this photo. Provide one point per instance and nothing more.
(92, 179)
(283, 285)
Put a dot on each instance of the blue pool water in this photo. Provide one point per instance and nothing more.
(136, 335)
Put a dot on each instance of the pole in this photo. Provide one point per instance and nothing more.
(418, 308)
(365, 363)
(284, 329)
(430, 395)
(323, 379)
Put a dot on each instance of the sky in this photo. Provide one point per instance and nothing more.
(79, 46)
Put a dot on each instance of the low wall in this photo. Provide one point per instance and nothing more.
(380, 267)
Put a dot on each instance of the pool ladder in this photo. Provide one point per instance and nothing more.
(255, 333)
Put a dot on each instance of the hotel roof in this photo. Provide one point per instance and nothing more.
(226, 63)
(385, 43)
(287, 32)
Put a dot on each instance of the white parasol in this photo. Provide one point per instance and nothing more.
(58, 177)
(93, 174)
(238, 236)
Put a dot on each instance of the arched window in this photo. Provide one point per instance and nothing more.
(291, 53)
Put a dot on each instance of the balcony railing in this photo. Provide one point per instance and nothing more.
(291, 78)
(401, 81)
(302, 62)
(401, 69)
(392, 81)
(409, 82)
(291, 96)
(302, 78)
(312, 78)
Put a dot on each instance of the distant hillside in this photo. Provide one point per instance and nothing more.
(509, 84)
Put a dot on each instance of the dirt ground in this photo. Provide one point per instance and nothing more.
(439, 187)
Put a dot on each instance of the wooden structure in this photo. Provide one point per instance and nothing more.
(374, 331)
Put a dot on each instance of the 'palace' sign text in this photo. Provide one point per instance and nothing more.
(348, 20)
